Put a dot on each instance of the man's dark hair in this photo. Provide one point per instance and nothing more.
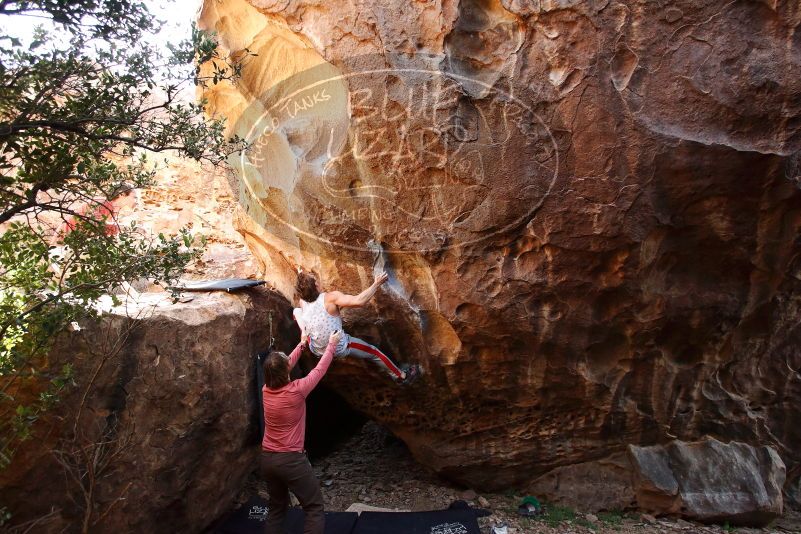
(306, 287)
(276, 370)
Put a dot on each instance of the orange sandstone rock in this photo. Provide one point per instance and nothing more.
(589, 212)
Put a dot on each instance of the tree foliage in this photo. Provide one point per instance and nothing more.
(82, 105)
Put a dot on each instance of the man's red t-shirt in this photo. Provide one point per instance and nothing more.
(285, 407)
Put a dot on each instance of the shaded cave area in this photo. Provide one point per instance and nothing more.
(330, 422)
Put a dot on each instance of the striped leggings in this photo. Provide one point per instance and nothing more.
(361, 349)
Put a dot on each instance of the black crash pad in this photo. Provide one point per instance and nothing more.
(259, 369)
(434, 522)
(248, 519)
(335, 522)
(251, 518)
(226, 284)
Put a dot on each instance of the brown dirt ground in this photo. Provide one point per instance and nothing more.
(374, 468)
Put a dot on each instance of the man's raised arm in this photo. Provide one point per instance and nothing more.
(354, 301)
(308, 382)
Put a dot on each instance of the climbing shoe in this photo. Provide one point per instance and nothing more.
(412, 374)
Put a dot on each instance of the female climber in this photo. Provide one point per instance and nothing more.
(319, 315)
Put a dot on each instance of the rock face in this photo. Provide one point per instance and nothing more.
(187, 194)
(605, 484)
(158, 435)
(706, 481)
(588, 210)
(710, 481)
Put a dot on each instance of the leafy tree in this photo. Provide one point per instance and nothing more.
(81, 107)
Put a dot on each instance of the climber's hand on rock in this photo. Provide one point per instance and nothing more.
(381, 279)
(335, 336)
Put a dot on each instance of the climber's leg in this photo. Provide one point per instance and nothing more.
(364, 350)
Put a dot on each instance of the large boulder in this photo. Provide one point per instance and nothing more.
(706, 481)
(710, 481)
(158, 432)
(588, 210)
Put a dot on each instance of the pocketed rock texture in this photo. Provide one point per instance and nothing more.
(158, 434)
(588, 210)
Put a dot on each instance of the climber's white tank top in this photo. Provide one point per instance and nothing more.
(319, 324)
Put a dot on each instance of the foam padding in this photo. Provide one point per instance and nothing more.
(227, 284)
(335, 522)
(248, 519)
(433, 522)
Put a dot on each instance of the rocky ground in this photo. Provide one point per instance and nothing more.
(374, 468)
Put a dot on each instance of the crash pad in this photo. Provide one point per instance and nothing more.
(226, 284)
(458, 521)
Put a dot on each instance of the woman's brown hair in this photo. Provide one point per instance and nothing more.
(306, 287)
(276, 370)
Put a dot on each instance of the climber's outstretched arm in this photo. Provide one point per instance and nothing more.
(354, 301)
